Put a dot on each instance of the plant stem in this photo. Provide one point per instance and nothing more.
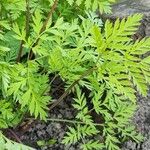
(49, 16)
(27, 18)
(20, 51)
(72, 85)
(43, 27)
(15, 136)
(56, 75)
(69, 121)
(27, 31)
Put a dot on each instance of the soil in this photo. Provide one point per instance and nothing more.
(53, 131)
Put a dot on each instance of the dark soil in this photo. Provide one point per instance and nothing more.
(49, 131)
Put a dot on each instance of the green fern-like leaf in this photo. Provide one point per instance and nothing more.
(28, 89)
(81, 106)
(103, 5)
(92, 145)
(72, 136)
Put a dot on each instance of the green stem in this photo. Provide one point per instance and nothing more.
(71, 86)
(69, 121)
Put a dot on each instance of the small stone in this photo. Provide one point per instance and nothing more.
(40, 133)
(44, 148)
(58, 126)
(59, 116)
(40, 126)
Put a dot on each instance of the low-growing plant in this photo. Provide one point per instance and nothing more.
(99, 63)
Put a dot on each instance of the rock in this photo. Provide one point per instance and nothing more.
(128, 7)
(125, 8)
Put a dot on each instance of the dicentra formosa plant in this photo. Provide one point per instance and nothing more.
(103, 59)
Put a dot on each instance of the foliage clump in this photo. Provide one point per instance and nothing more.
(40, 38)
